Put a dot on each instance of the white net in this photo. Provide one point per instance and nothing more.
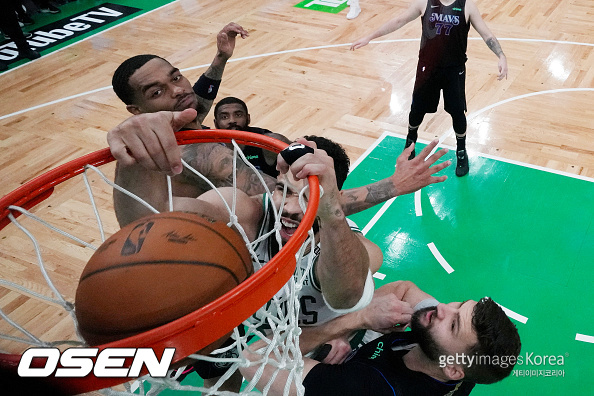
(50, 229)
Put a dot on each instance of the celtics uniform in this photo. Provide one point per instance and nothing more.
(313, 309)
(442, 58)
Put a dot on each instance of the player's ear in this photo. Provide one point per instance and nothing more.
(248, 119)
(133, 109)
(454, 372)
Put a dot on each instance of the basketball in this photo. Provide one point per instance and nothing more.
(155, 270)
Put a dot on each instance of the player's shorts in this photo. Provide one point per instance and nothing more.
(430, 82)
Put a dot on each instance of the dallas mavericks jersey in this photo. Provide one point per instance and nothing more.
(445, 34)
(313, 310)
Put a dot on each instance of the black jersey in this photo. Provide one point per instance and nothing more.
(255, 155)
(445, 34)
(378, 369)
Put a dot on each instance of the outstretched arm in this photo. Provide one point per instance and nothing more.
(390, 310)
(475, 18)
(392, 305)
(144, 146)
(408, 177)
(346, 257)
(212, 77)
(215, 162)
(415, 10)
(146, 149)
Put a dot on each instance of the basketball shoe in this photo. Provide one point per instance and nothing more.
(462, 163)
(354, 9)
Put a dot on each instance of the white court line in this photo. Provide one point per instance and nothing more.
(377, 216)
(584, 338)
(440, 258)
(379, 276)
(248, 57)
(418, 209)
(476, 113)
(513, 315)
(496, 158)
(368, 151)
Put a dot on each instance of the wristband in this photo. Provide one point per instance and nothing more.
(207, 88)
(294, 152)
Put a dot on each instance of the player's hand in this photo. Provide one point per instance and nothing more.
(319, 164)
(386, 313)
(226, 39)
(502, 68)
(362, 42)
(340, 350)
(412, 175)
(149, 140)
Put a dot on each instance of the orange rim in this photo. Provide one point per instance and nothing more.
(200, 328)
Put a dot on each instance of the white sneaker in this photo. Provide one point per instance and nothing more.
(354, 9)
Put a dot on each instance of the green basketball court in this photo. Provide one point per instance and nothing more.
(523, 236)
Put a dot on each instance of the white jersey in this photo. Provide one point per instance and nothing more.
(313, 309)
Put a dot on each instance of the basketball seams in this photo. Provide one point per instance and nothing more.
(248, 267)
(161, 262)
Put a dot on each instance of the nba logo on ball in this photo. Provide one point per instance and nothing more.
(79, 362)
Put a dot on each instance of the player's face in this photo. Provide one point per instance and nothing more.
(158, 86)
(445, 329)
(291, 213)
(232, 116)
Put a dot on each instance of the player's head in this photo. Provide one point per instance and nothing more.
(231, 113)
(473, 341)
(149, 83)
(292, 214)
(342, 161)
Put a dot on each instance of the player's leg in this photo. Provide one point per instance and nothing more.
(414, 122)
(425, 99)
(454, 97)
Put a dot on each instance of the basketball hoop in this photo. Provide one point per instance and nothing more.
(200, 328)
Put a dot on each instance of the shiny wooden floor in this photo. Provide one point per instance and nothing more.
(298, 77)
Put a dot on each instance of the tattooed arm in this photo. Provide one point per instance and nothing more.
(225, 47)
(474, 16)
(408, 177)
(215, 161)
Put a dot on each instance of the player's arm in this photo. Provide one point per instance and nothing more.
(207, 86)
(210, 204)
(390, 310)
(405, 291)
(408, 177)
(345, 259)
(215, 162)
(477, 22)
(145, 148)
(415, 10)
